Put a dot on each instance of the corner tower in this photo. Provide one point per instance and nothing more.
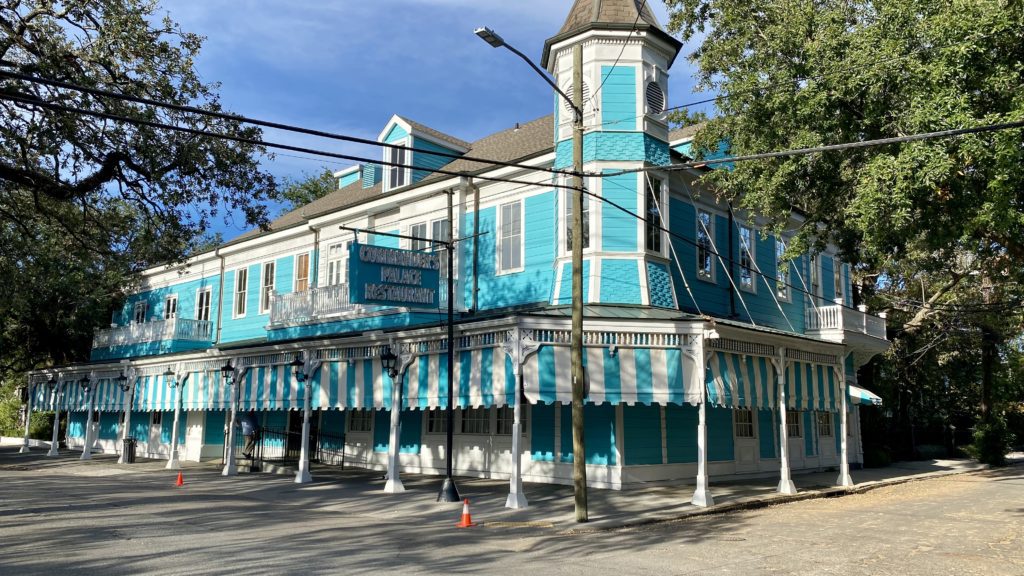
(626, 58)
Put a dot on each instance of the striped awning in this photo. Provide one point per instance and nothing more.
(480, 378)
(859, 395)
(811, 387)
(205, 390)
(270, 388)
(106, 395)
(740, 381)
(628, 375)
(350, 384)
(153, 394)
(40, 397)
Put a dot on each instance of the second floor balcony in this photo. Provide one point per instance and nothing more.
(862, 332)
(173, 329)
(322, 303)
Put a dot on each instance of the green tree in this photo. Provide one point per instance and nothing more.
(298, 193)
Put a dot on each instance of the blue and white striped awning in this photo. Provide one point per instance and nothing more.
(270, 388)
(350, 384)
(481, 377)
(106, 396)
(40, 397)
(153, 394)
(205, 390)
(859, 395)
(740, 381)
(811, 387)
(629, 376)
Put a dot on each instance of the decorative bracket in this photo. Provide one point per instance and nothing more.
(519, 344)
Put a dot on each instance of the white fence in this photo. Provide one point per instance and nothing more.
(158, 330)
(841, 318)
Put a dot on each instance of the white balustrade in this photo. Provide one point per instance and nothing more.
(826, 318)
(155, 331)
(323, 302)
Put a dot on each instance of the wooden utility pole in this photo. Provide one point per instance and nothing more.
(579, 458)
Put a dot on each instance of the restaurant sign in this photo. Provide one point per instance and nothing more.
(392, 277)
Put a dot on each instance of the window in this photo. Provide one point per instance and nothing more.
(337, 263)
(747, 259)
(437, 421)
(157, 417)
(744, 418)
(653, 215)
(398, 176)
(203, 300)
(139, 312)
(476, 421)
(302, 273)
(241, 291)
(825, 425)
(793, 424)
(705, 246)
(267, 286)
(439, 231)
(506, 418)
(360, 420)
(585, 225)
(170, 307)
(815, 276)
(419, 231)
(510, 237)
(781, 276)
(837, 275)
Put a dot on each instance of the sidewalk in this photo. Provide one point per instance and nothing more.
(359, 493)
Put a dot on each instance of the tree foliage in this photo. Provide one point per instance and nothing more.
(298, 193)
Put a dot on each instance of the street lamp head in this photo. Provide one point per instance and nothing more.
(389, 362)
(227, 372)
(169, 377)
(490, 36)
(298, 366)
(52, 382)
(84, 382)
(122, 381)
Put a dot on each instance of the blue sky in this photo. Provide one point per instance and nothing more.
(347, 66)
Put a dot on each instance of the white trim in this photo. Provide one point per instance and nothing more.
(787, 295)
(209, 309)
(663, 212)
(752, 251)
(498, 270)
(234, 298)
(273, 287)
(387, 185)
(167, 300)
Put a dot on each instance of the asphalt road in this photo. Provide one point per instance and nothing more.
(101, 520)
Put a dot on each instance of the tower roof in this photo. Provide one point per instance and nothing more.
(609, 15)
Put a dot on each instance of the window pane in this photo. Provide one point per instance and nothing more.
(653, 215)
(781, 279)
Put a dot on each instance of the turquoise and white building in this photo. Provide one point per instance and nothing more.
(706, 357)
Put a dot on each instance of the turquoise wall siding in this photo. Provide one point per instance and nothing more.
(542, 433)
(348, 179)
(213, 428)
(275, 420)
(381, 430)
(565, 286)
(618, 97)
(615, 146)
(395, 134)
(620, 281)
(599, 434)
(332, 429)
(531, 285)
(619, 230)
(109, 425)
(810, 433)
(713, 298)
(766, 420)
(141, 425)
(681, 433)
(409, 439)
(76, 425)
(428, 162)
(252, 324)
(155, 300)
(641, 429)
(659, 285)
(828, 289)
(371, 175)
(167, 427)
(721, 444)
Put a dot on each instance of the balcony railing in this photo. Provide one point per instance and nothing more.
(321, 302)
(156, 331)
(826, 318)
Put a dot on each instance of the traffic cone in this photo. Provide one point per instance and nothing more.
(466, 521)
(180, 481)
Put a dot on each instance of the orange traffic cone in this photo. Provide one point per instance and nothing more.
(466, 521)
(180, 481)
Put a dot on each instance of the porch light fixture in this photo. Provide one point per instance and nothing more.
(389, 362)
(84, 382)
(169, 377)
(52, 382)
(227, 372)
(297, 366)
(122, 382)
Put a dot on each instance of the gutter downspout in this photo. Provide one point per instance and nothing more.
(220, 297)
(314, 280)
(476, 240)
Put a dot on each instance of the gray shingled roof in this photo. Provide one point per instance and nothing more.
(510, 145)
(677, 134)
(437, 134)
(586, 12)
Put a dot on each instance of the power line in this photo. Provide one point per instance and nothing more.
(819, 149)
(253, 141)
(264, 123)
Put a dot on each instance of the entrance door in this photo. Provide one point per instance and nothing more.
(826, 437)
(795, 429)
(194, 436)
(745, 435)
(156, 445)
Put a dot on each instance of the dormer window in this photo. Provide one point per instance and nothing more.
(397, 171)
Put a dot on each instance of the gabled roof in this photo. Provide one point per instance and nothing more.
(610, 15)
(511, 145)
(435, 134)
(677, 134)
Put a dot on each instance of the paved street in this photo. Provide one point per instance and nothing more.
(98, 518)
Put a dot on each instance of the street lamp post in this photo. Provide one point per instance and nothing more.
(129, 389)
(298, 367)
(172, 381)
(227, 373)
(28, 417)
(55, 391)
(389, 362)
(579, 469)
(86, 383)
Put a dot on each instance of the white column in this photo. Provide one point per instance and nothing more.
(394, 483)
(303, 476)
(230, 468)
(516, 498)
(127, 426)
(844, 478)
(786, 485)
(702, 493)
(87, 448)
(55, 441)
(28, 419)
(172, 461)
